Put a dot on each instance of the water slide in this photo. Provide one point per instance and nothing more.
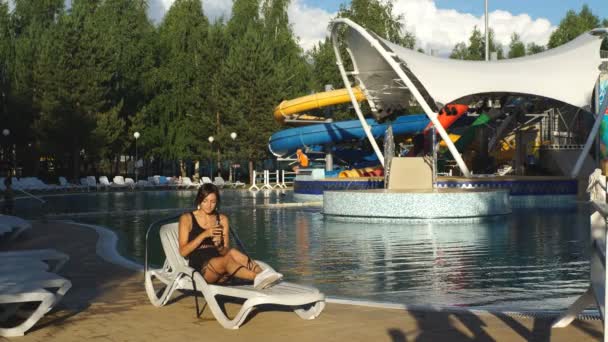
(286, 142)
(293, 108)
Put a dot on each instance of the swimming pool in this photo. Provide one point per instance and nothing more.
(533, 258)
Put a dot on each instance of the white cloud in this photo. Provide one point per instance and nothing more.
(309, 23)
(441, 29)
(213, 9)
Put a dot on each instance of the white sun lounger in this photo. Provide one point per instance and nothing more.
(307, 302)
(18, 224)
(28, 287)
(52, 257)
(187, 182)
(219, 182)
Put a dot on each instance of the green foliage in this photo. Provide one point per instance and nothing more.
(573, 25)
(534, 48)
(78, 83)
(516, 47)
(460, 51)
(378, 16)
(178, 106)
(476, 50)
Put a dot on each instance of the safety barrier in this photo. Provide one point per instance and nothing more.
(596, 292)
(269, 180)
(287, 178)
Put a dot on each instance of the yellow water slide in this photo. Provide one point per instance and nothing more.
(290, 108)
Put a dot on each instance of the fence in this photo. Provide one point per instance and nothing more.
(278, 179)
(596, 292)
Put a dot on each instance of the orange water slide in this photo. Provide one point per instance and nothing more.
(448, 115)
(290, 108)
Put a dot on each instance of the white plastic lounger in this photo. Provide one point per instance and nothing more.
(219, 182)
(307, 302)
(16, 290)
(18, 224)
(5, 229)
(52, 257)
(15, 265)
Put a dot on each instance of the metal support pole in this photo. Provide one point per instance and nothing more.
(487, 34)
(434, 142)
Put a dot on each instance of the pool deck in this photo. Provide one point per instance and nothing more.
(108, 303)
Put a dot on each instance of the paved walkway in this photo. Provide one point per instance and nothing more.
(108, 303)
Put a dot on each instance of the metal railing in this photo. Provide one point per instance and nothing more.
(596, 292)
(44, 204)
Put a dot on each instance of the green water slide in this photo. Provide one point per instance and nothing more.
(469, 135)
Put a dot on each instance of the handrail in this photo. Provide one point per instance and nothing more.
(32, 196)
(45, 208)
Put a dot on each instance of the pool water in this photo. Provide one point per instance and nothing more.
(531, 259)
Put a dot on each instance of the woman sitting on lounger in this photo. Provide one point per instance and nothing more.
(204, 240)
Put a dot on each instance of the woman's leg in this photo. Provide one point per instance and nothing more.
(219, 267)
(244, 260)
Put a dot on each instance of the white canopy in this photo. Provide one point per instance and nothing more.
(567, 73)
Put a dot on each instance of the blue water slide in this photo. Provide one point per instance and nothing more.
(287, 141)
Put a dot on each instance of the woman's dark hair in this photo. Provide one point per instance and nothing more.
(206, 190)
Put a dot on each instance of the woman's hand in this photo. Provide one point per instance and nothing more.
(218, 236)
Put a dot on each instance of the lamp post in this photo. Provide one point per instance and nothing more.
(6, 132)
(487, 54)
(136, 135)
(211, 159)
(230, 177)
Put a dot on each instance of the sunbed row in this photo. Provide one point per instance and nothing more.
(90, 182)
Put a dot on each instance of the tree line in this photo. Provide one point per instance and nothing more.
(76, 83)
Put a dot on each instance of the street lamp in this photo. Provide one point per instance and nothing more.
(6, 132)
(136, 135)
(211, 159)
(230, 177)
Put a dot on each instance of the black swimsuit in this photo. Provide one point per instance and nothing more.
(200, 257)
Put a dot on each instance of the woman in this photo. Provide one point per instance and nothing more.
(204, 240)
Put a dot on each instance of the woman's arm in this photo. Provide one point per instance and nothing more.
(185, 226)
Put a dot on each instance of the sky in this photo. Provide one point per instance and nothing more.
(438, 24)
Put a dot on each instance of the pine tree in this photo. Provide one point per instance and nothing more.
(72, 73)
(177, 114)
(516, 47)
(572, 26)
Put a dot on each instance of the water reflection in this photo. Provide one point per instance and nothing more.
(532, 257)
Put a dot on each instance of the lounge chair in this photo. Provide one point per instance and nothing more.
(118, 182)
(105, 182)
(187, 182)
(307, 302)
(204, 180)
(219, 182)
(52, 257)
(20, 287)
(92, 182)
(63, 183)
(18, 225)
(143, 184)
